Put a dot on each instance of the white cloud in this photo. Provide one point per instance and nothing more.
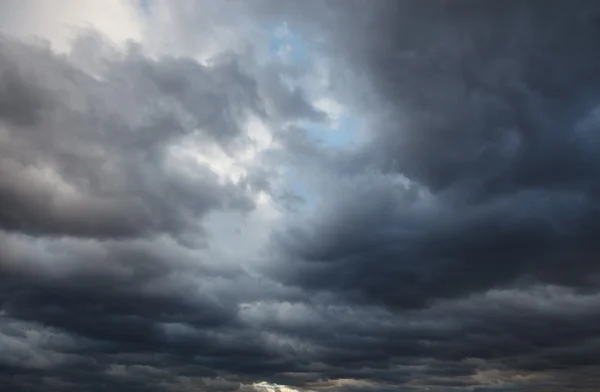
(268, 387)
(61, 21)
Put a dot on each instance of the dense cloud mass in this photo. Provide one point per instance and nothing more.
(285, 196)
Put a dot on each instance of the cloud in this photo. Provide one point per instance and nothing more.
(170, 220)
(482, 178)
(99, 150)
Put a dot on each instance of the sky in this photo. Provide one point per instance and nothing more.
(299, 196)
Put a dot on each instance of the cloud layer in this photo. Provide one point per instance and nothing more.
(299, 196)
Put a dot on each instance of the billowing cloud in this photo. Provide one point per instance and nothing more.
(303, 196)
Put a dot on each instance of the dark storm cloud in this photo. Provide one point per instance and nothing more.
(499, 336)
(453, 251)
(481, 174)
(146, 338)
(487, 171)
(491, 95)
(81, 308)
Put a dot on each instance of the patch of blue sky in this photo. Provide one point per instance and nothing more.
(288, 46)
(145, 6)
(342, 135)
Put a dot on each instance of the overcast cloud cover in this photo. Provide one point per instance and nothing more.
(316, 195)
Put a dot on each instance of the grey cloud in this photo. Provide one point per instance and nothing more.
(289, 102)
(21, 103)
(454, 250)
(106, 132)
(97, 162)
(487, 107)
(428, 247)
(150, 304)
(479, 174)
(502, 335)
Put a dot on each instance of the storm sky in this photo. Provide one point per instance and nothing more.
(315, 195)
